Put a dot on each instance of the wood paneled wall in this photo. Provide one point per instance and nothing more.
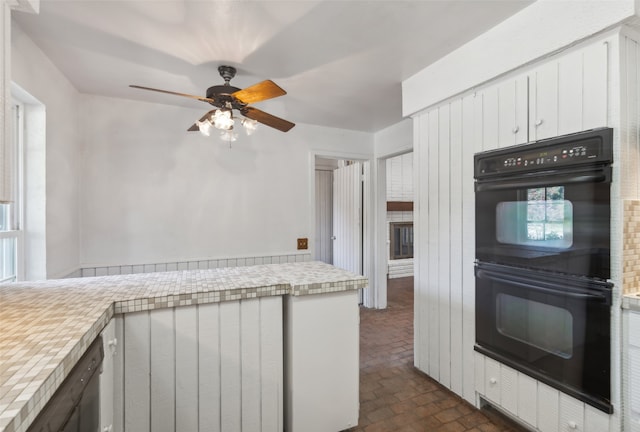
(525, 106)
(209, 367)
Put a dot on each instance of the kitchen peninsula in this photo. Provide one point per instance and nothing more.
(241, 318)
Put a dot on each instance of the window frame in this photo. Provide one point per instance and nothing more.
(16, 212)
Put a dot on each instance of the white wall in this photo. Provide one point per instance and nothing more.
(127, 184)
(35, 73)
(153, 192)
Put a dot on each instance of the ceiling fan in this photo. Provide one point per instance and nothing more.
(227, 98)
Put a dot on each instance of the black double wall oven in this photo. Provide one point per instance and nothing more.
(543, 300)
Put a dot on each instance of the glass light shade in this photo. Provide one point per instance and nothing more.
(250, 125)
(228, 135)
(205, 127)
(223, 120)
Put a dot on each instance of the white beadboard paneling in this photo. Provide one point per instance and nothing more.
(548, 408)
(186, 363)
(479, 368)
(444, 233)
(455, 241)
(271, 364)
(509, 389)
(251, 377)
(595, 420)
(209, 367)
(163, 367)
(230, 367)
(543, 108)
(118, 375)
(209, 359)
(571, 414)
(107, 378)
(136, 372)
(493, 380)
(527, 399)
(595, 103)
(490, 116)
(570, 91)
(469, 143)
(433, 229)
(420, 243)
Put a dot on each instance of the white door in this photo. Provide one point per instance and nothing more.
(324, 216)
(347, 218)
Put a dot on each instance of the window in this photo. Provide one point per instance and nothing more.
(542, 218)
(401, 240)
(11, 213)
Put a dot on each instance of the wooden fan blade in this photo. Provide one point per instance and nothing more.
(200, 98)
(259, 92)
(267, 119)
(195, 126)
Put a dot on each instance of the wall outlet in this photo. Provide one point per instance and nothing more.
(303, 243)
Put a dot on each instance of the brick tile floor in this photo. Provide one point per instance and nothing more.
(395, 396)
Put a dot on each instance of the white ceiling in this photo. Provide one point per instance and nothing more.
(341, 61)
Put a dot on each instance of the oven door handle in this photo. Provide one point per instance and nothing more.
(569, 294)
(598, 177)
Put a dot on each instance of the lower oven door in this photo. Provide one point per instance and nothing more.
(553, 327)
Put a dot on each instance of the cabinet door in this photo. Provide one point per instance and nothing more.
(512, 106)
(527, 399)
(543, 107)
(548, 408)
(633, 380)
(493, 380)
(571, 414)
(107, 377)
(504, 113)
(569, 94)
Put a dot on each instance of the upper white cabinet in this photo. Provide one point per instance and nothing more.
(504, 109)
(563, 95)
(569, 94)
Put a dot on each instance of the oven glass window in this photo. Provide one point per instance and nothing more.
(542, 218)
(544, 326)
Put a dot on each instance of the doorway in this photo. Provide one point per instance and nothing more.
(339, 213)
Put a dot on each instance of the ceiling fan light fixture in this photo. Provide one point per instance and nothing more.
(205, 127)
(228, 135)
(223, 120)
(250, 125)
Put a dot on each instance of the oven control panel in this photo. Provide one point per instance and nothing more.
(589, 147)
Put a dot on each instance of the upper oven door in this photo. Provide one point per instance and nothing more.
(548, 220)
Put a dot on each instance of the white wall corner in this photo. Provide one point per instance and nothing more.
(394, 140)
(544, 28)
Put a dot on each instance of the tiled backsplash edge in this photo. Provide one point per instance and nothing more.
(189, 265)
(631, 247)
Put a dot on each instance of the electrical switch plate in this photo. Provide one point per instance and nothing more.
(303, 243)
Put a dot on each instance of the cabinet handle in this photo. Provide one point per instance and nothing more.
(515, 129)
(493, 381)
(573, 425)
(539, 122)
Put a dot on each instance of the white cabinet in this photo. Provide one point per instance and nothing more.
(564, 95)
(110, 385)
(534, 403)
(631, 381)
(504, 108)
(569, 94)
(322, 362)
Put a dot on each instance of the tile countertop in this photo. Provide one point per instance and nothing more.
(631, 301)
(46, 326)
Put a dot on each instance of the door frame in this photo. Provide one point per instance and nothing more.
(369, 294)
